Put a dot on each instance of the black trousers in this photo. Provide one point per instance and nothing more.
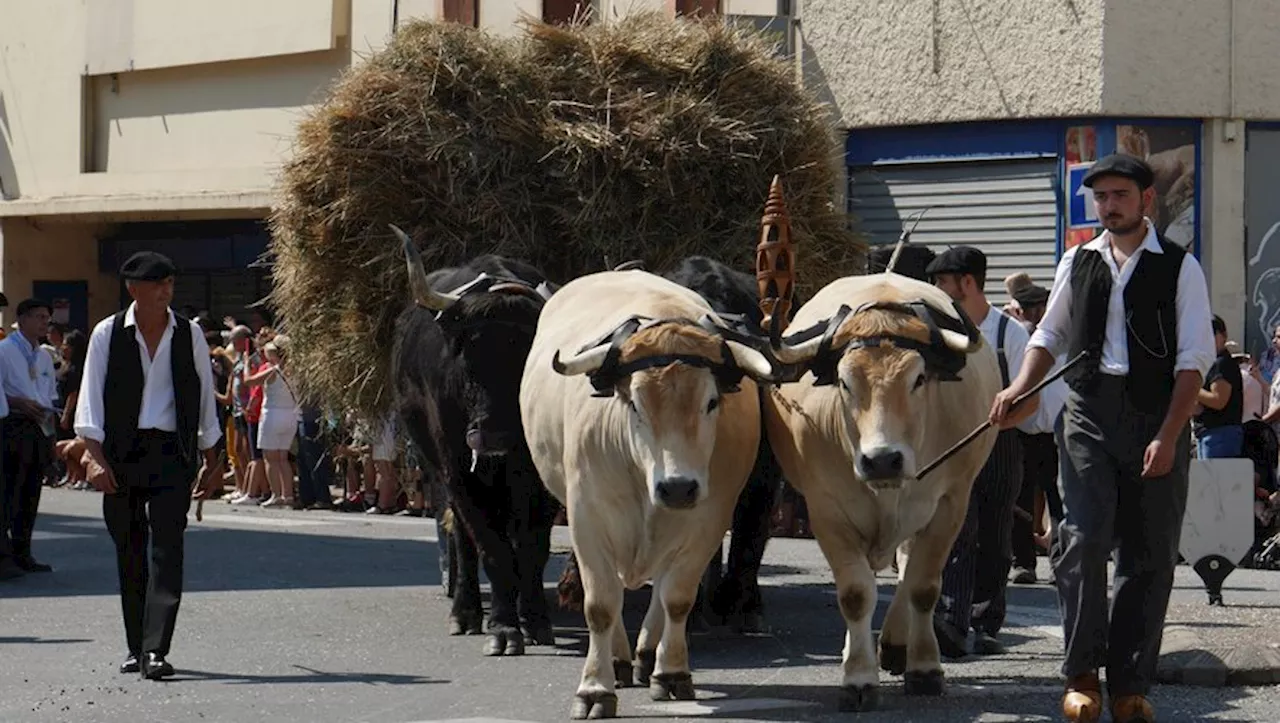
(153, 495)
(26, 454)
(1109, 506)
(977, 573)
(1039, 473)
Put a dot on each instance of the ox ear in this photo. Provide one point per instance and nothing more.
(587, 361)
(423, 294)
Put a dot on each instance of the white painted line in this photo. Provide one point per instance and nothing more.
(714, 706)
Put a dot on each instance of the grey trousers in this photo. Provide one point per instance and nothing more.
(1109, 506)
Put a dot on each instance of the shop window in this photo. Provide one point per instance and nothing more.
(697, 7)
(1171, 147)
(466, 12)
(562, 12)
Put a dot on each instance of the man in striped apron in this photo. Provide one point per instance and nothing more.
(977, 573)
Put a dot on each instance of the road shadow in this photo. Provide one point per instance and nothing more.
(29, 640)
(308, 675)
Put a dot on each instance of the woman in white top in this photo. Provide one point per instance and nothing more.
(279, 423)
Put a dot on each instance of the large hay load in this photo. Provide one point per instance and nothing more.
(650, 138)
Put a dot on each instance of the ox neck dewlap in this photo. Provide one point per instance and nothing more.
(940, 360)
(727, 373)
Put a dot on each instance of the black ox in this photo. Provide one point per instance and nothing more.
(457, 360)
(734, 590)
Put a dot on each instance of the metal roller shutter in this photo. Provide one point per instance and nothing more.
(1008, 209)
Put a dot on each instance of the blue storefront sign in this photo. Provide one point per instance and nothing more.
(1081, 211)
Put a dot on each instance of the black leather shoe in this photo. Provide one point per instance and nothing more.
(29, 564)
(130, 664)
(155, 667)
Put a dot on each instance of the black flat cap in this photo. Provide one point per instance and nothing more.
(1121, 164)
(1031, 295)
(147, 266)
(959, 260)
(912, 262)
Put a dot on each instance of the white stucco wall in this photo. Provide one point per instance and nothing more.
(904, 62)
(894, 62)
(1147, 72)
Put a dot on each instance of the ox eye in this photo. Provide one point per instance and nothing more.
(919, 382)
(713, 404)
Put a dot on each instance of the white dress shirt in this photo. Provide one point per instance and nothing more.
(28, 371)
(4, 402)
(158, 410)
(1016, 338)
(1196, 350)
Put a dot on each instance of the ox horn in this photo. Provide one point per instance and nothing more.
(422, 292)
(966, 343)
(755, 364)
(588, 361)
(634, 265)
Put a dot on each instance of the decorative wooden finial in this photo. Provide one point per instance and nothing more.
(775, 261)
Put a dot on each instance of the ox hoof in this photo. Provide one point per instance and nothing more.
(859, 698)
(923, 682)
(623, 674)
(539, 634)
(893, 658)
(594, 706)
(505, 642)
(671, 686)
(467, 623)
(646, 661)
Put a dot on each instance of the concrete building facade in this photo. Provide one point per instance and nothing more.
(986, 113)
(131, 124)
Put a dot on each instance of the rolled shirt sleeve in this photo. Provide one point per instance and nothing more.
(1052, 331)
(1196, 350)
(210, 431)
(89, 421)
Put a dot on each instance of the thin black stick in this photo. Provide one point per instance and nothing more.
(987, 424)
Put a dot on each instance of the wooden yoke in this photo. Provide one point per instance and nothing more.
(775, 262)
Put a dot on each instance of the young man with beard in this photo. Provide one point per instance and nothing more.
(146, 414)
(1139, 306)
(977, 572)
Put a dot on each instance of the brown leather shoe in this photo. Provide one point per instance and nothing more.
(1082, 702)
(1132, 709)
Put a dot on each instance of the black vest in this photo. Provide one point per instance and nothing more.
(122, 392)
(1150, 304)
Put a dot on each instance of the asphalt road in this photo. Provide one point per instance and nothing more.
(338, 618)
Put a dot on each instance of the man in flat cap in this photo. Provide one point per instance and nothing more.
(1138, 307)
(977, 572)
(146, 413)
(30, 387)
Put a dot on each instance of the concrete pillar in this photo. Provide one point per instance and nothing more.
(1222, 241)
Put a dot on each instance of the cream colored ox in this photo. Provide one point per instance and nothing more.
(853, 444)
(647, 434)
